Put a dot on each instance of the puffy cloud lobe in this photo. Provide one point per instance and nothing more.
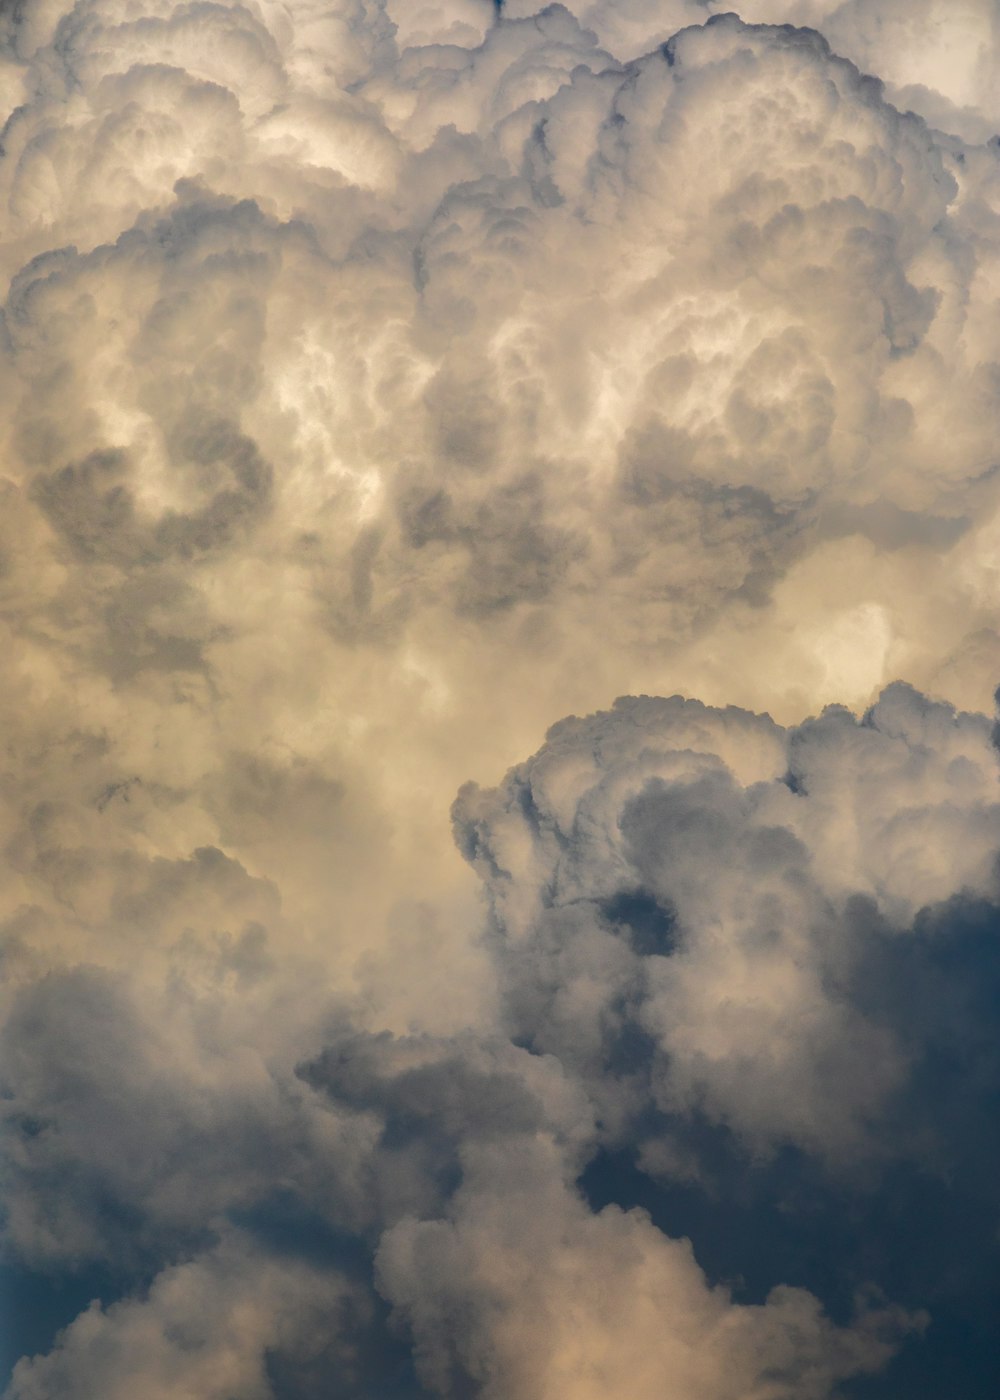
(136, 1125)
(523, 1291)
(936, 59)
(770, 957)
(139, 1122)
(232, 1322)
(645, 892)
(799, 273)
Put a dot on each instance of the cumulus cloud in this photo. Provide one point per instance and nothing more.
(470, 376)
(770, 957)
(701, 923)
(138, 1122)
(524, 1291)
(685, 902)
(233, 1322)
(383, 381)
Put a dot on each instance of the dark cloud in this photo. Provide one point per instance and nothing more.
(841, 1141)
(488, 1179)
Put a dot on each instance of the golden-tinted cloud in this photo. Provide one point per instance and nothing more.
(381, 383)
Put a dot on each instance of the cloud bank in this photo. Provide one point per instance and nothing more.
(725, 967)
(382, 382)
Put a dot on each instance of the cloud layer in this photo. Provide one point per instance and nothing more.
(383, 381)
(436, 391)
(716, 943)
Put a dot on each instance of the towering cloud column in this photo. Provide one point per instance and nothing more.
(384, 381)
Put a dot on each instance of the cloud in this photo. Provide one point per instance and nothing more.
(769, 956)
(525, 1292)
(934, 59)
(700, 884)
(234, 1321)
(494, 374)
(382, 382)
(713, 947)
(139, 1120)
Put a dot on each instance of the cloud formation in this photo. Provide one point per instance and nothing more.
(383, 381)
(331, 484)
(716, 942)
(524, 1291)
(685, 903)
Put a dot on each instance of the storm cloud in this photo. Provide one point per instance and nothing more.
(382, 382)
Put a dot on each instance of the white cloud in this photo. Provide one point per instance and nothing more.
(209, 1328)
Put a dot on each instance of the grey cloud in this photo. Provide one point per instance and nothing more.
(382, 381)
(639, 886)
(438, 1103)
(135, 1129)
(664, 833)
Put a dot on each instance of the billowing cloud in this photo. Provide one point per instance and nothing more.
(770, 956)
(644, 889)
(325, 484)
(701, 924)
(232, 1322)
(524, 1291)
(383, 381)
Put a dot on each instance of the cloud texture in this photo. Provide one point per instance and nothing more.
(382, 381)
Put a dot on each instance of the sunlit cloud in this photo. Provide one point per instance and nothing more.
(387, 388)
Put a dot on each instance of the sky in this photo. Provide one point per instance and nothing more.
(500, 606)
